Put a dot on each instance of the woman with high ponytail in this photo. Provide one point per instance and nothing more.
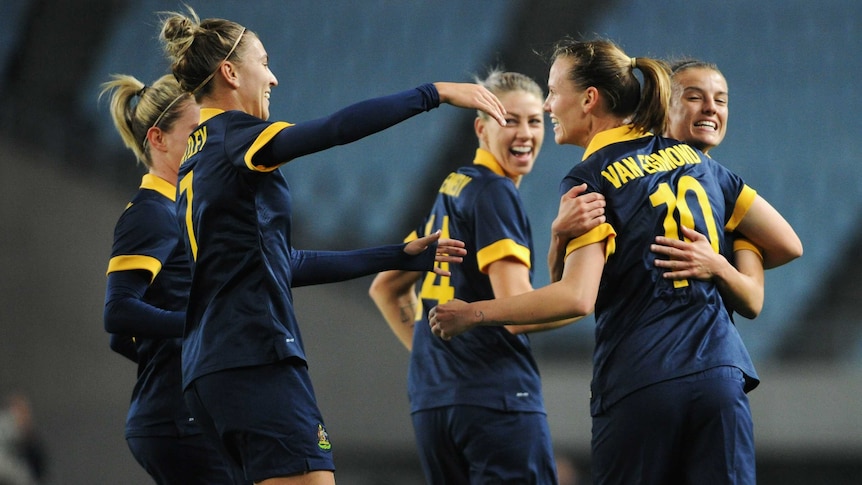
(148, 286)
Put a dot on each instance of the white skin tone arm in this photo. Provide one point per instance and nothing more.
(394, 294)
(769, 231)
(510, 277)
(741, 287)
(395, 297)
(573, 296)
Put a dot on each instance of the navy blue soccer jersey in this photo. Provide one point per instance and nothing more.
(487, 366)
(146, 238)
(234, 208)
(236, 219)
(649, 329)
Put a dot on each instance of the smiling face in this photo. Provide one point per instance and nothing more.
(698, 109)
(564, 105)
(255, 79)
(516, 145)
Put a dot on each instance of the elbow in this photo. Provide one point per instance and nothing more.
(798, 249)
(115, 343)
(377, 291)
(751, 312)
(581, 307)
(793, 250)
(110, 322)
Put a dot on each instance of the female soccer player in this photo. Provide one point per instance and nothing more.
(697, 115)
(148, 285)
(483, 388)
(670, 372)
(244, 366)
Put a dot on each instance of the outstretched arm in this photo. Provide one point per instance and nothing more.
(741, 287)
(371, 116)
(573, 296)
(321, 267)
(510, 277)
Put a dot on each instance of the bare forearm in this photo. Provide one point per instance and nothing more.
(393, 294)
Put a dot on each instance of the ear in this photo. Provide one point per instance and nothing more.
(155, 138)
(590, 99)
(227, 70)
(479, 127)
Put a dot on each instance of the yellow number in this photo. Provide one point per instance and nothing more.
(434, 286)
(186, 186)
(677, 204)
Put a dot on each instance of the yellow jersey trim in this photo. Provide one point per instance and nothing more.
(160, 185)
(741, 244)
(614, 135)
(504, 248)
(743, 203)
(597, 234)
(265, 137)
(131, 262)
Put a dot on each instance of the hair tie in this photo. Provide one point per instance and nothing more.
(229, 53)
(634, 62)
(162, 115)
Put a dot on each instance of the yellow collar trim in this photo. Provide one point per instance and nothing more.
(160, 185)
(207, 113)
(486, 159)
(614, 135)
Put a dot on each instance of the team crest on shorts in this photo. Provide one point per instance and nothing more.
(323, 438)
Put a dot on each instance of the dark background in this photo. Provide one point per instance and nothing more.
(793, 134)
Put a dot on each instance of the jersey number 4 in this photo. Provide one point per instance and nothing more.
(434, 286)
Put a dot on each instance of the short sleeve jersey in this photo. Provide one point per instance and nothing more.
(487, 366)
(146, 238)
(649, 329)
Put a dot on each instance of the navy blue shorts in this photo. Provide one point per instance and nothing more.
(191, 460)
(690, 430)
(265, 417)
(478, 445)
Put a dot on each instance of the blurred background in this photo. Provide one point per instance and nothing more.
(793, 71)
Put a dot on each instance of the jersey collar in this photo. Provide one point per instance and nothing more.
(160, 185)
(614, 135)
(207, 113)
(486, 159)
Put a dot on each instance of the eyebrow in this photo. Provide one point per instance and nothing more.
(700, 89)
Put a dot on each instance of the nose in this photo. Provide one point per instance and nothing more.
(523, 131)
(546, 106)
(709, 105)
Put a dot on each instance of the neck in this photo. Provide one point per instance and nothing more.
(161, 172)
